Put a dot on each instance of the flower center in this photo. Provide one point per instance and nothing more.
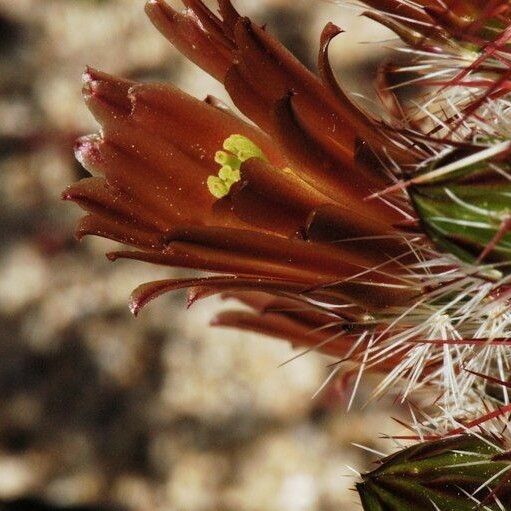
(237, 149)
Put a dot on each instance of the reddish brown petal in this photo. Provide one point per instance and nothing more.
(209, 22)
(355, 118)
(106, 96)
(275, 325)
(193, 124)
(190, 255)
(307, 157)
(332, 224)
(265, 57)
(324, 259)
(273, 198)
(322, 171)
(408, 35)
(282, 185)
(315, 303)
(272, 72)
(256, 301)
(335, 140)
(117, 230)
(313, 317)
(183, 31)
(248, 98)
(229, 16)
(360, 121)
(410, 12)
(148, 292)
(94, 195)
(261, 213)
(158, 194)
(112, 88)
(264, 255)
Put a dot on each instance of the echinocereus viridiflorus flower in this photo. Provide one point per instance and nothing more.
(383, 241)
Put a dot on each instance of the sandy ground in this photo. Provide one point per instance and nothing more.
(161, 412)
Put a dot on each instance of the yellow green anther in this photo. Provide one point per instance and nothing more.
(229, 175)
(243, 148)
(217, 187)
(237, 149)
(223, 158)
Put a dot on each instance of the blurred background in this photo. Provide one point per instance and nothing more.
(102, 411)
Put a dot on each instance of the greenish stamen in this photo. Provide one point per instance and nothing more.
(237, 149)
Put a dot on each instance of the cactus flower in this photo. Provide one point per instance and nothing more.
(381, 240)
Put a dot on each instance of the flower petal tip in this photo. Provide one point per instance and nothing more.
(134, 306)
(88, 74)
(216, 321)
(66, 194)
(193, 296)
(152, 7)
(79, 234)
(86, 150)
(90, 77)
(331, 30)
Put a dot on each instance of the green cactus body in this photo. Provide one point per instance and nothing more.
(468, 211)
(440, 475)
